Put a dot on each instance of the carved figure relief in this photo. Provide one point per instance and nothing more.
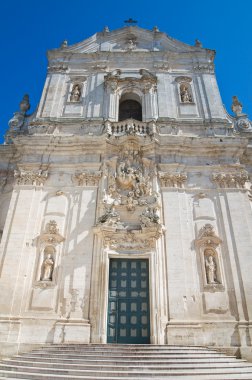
(75, 93)
(236, 106)
(47, 268)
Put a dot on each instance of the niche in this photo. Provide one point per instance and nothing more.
(47, 266)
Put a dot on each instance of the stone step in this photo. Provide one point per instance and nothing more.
(32, 359)
(170, 377)
(127, 371)
(120, 366)
(183, 375)
(129, 357)
(127, 363)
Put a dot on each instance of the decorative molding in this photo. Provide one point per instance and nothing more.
(57, 68)
(231, 180)
(183, 79)
(87, 178)
(31, 177)
(168, 179)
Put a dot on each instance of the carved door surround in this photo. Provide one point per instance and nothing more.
(129, 226)
(143, 87)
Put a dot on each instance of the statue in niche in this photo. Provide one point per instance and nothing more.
(76, 93)
(47, 268)
(185, 95)
(211, 268)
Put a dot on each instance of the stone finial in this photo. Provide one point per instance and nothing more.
(106, 29)
(24, 105)
(236, 106)
(64, 44)
(155, 29)
(198, 44)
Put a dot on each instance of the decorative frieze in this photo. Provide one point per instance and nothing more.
(87, 178)
(230, 180)
(31, 177)
(168, 179)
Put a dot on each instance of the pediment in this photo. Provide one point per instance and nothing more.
(129, 39)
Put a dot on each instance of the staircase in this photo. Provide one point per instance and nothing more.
(145, 362)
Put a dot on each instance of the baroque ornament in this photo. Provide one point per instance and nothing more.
(51, 234)
(207, 237)
(30, 177)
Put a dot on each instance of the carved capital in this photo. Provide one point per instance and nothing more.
(30, 177)
(87, 178)
(230, 180)
(168, 179)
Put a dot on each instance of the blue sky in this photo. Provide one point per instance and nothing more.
(30, 27)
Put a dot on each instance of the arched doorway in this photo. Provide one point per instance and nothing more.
(130, 109)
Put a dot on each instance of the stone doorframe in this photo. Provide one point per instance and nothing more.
(99, 291)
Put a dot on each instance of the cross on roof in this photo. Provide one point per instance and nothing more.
(130, 21)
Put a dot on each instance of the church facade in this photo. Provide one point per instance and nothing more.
(125, 201)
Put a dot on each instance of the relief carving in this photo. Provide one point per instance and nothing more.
(31, 177)
(130, 206)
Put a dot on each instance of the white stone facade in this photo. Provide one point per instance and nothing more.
(79, 187)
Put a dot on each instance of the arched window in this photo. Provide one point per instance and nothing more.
(130, 109)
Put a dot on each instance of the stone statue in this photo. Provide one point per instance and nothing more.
(236, 106)
(18, 119)
(64, 44)
(47, 268)
(210, 269)
(76, 93)
(185, 95)
(198, 44)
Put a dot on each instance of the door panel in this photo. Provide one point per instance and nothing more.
(128, 306)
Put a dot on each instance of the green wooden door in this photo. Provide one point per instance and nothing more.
(128, 303)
